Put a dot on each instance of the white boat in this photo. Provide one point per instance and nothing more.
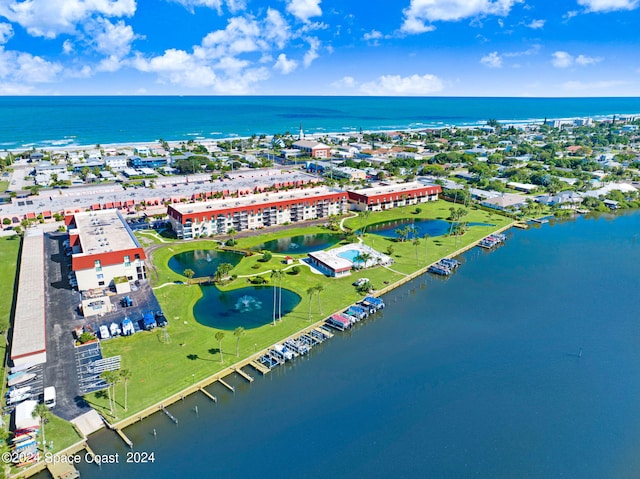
(18, 398)
(22, 367)
(21, 379)
(104, 332)
(114, 329)
(288, 355)
(19, 391)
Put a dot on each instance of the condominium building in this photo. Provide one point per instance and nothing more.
(103, 247)
(199, 219)
(387, 196)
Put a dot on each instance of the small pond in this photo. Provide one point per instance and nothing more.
(202, 262)
(300, 244)
(249, 307)
(430, 227)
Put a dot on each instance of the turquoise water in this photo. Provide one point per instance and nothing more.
(203, 262)
(300, 244)
(249, 307)
(477, 376)
(423, 227)
(350, 255)
(26, 121)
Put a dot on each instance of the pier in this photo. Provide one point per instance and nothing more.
(124, 437)
(243, 374)
(227, 385)
(209, 395)
(259, 367)
(169, 415)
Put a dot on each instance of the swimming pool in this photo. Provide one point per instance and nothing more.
(350, 255)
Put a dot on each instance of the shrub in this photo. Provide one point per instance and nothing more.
(86, 337)
(295, 270)
(258, 280)
(266, 256)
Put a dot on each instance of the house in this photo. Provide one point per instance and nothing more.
(506, 202)
(387, 196)
(564, 199)
(524, 187)
(611, 204)
(314, 149)
(118, 162)
(330, 264)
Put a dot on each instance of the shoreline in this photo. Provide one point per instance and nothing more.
(200, 385)
(437, 125)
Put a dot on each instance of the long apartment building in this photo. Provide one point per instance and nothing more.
(388, 196)
(103, 247)
(199, 219)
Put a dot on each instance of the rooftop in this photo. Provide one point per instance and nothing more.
(391, 188)
(103, 231)
(29, 321)
(251, 200)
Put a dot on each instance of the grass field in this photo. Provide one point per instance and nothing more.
(9, 249)
(4, 186)
(161, 368)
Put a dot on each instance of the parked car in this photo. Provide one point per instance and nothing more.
(161, 319)
(104, 332)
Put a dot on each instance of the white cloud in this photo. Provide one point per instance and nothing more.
(17, 67)
(67, 47)
(232, 5)
(536, 24)
(372, 35)
(312, 53)
(112, 39)
(284, 65)
(421, 11)
(596, 85)
(562, 59)
(608, 5)
(178, 67)
(492, 60)
(6, 32)
(304, 9)
(345, 82)
(49, 18)
(584, 60)
(276, 28)
(395, 85)
(534, 50)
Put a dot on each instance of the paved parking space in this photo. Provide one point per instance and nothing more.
(89, 379)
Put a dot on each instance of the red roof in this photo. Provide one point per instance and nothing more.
(31, 216)
(95, 207)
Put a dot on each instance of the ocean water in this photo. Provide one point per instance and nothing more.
(475, 376)
(46, 122)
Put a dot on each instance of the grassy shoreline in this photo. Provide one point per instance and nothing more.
(161, 370)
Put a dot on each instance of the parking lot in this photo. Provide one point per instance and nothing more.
(63, 317)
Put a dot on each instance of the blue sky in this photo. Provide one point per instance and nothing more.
(320, 47)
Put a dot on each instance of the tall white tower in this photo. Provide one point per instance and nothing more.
(301, 134)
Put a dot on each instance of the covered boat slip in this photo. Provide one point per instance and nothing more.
(28, 344)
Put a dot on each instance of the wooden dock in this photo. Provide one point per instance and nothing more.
(63, 470)
(209, 395)
(169, 415)
(259, 367)
(328, 334)
(124, 437)
(243, 374)
(227, 385)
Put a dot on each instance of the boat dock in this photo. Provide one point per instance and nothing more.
(243, 374)
(259, 367)
(209, 395)
(227, 385)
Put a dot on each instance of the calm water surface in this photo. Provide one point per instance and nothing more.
(475, 376)
(202, 262)
(300, 244)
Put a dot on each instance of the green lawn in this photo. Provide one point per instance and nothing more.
(160, 369)
(62, 433)
(4, 186)
(9, 248)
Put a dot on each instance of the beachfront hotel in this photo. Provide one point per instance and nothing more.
(387, 196)
(103, 249)
(199, 219)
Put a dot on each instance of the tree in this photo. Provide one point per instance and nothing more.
(266, 256)
(219, 337)
(42, 413)
(362, 257)
(365, 216)
(223, 271)
(389, 250)
(238, 333)
(416, 243)
(232, 235)
(311, 291)
(418, 210)
(426, 239)
(109, 378)
(277, 275)
(319, 290)
(125, 374)
(189, 273)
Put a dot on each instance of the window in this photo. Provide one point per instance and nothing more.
(97, 265)
(100, 276)
(127, 261)
(100, 283)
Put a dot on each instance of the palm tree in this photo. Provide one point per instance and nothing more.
(416, 243)
(109, 378)
(189, 273)
(363, 257)
(277, 275)
(219, 337)
(319, 289)
(238, 332)
(365, 216)
(426, 239)
(41, 412)
(311, 291)
(232, 234)
(125, 374)
(223, 271)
